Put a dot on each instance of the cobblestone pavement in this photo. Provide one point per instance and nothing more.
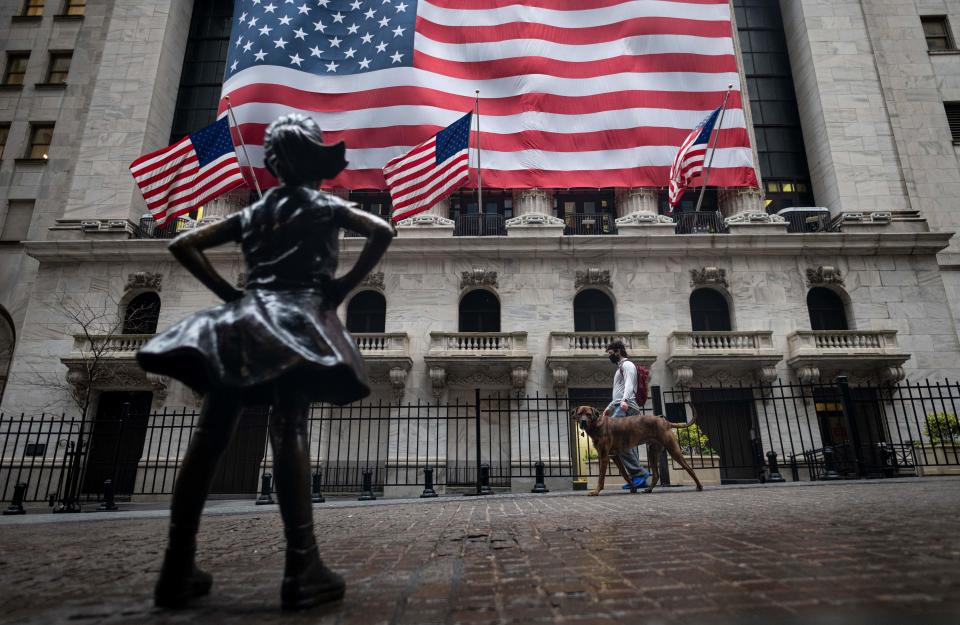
(852, 552)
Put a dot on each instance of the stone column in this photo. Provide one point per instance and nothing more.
(440, 209)
(744, 212)
(225, 205)
(637, 213)
(533, 214)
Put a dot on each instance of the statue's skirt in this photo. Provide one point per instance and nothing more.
(265, 338)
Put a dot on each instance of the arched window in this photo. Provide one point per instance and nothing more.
(367, 312)
(709, 311)
(593, 312)
(479, 312)
(827, 311)
(142, 314)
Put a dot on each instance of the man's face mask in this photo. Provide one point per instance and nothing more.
(614, 358)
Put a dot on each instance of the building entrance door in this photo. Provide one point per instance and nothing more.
(116, 441)
(727, 418)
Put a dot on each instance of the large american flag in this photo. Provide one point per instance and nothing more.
(687, 168)
(591, 93)
(181, 177)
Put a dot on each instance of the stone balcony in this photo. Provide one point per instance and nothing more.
(579, 358)
(722, 357)
(475, 358)
(387, 356)
(824, 354)
(109, 362)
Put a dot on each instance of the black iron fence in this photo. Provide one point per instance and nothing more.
(742, 434)
(480, 225)
(701, 222)
(590, 223)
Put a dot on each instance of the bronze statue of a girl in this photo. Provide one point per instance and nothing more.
(277, 342)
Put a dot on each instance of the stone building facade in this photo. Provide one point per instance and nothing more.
(849, 111)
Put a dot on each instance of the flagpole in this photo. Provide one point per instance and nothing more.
(479, 176)
(243, 147)
(716, 138)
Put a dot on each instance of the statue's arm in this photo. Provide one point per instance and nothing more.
(379, 235)
(188, 249)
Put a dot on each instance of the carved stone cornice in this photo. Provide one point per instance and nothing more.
(824, 274)
(425, 220)
(709, 276)
(593, 276)
(144, 280)
(754, 217)
(643, 218)
(534, 219)
(478, 276)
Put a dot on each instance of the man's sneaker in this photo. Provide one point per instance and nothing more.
(639, 481)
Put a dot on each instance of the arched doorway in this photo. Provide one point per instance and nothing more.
(367, 312)
(709, 311)
(593, 312)
(826, 308)
(142, 314)
(479, 312)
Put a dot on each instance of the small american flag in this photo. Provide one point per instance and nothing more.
(688, 166)
(194, 170)
(430, 171)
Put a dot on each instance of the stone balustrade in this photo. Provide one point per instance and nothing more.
(476, 342)
(124, 345)
(382, 343)
(822, 354)
(845, 340)
(595, 343)
(719, 342)
(747, 354)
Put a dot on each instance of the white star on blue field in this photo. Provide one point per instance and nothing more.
(323, 37)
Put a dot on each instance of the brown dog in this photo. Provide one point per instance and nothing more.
(612, 436)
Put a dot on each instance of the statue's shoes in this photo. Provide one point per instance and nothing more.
(313, 585)
(175, 591)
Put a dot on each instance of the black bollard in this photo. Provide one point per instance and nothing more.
(540, 486)
(108, 504)
(428, 490)
(774, 469)
(16, 506)
(266, 490)
(485, 480)
(367, 494)
(831, 469)
(317, 496)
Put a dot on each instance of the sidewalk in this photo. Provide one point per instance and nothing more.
(804, 552)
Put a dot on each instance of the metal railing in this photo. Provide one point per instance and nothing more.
(749, 433)
(147, 228)
(806, 223)
(480, 225)
(703, 222)
(590, 223)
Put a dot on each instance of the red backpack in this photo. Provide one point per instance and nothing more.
(642, 391)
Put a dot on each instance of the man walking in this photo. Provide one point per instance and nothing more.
(624, 404)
